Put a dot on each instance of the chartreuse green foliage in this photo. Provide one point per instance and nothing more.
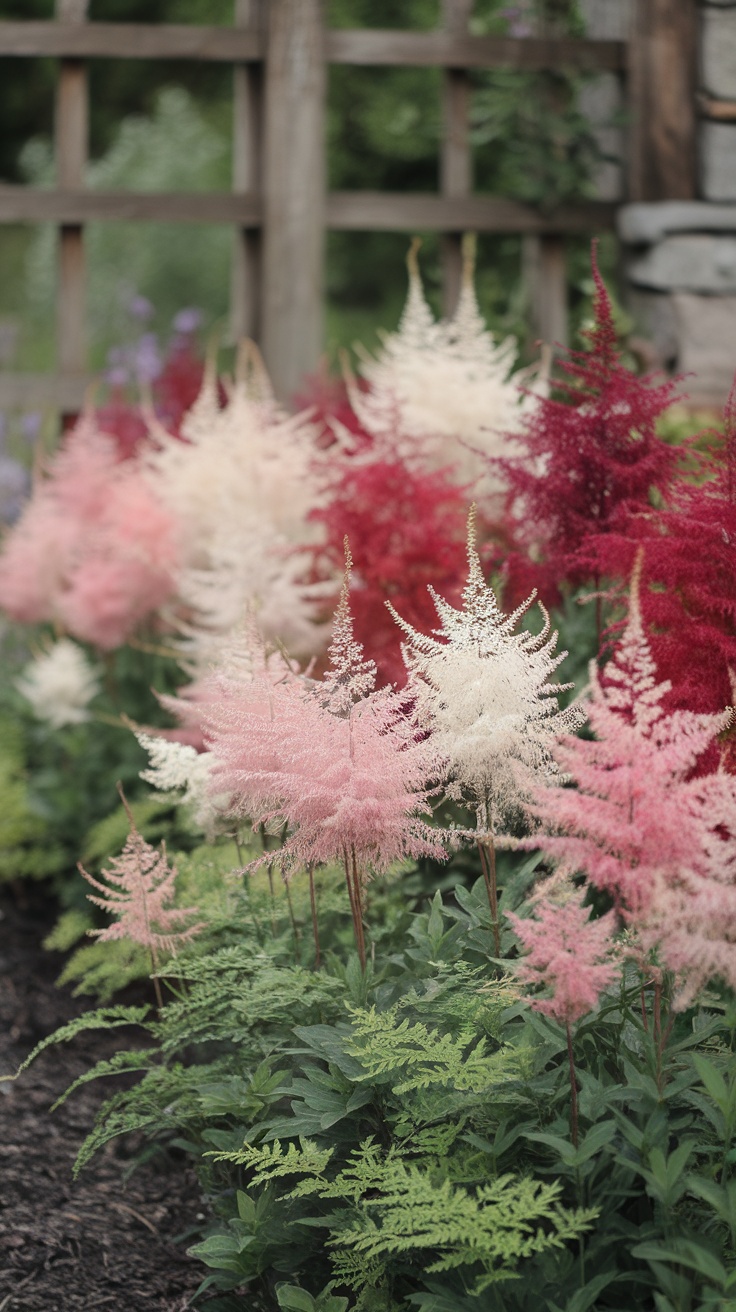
(399, 1139)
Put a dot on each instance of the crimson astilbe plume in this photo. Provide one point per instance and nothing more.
(407, 529)
(137, 890)
(641, 825)
(339, 762)
(591, 454)
(688, 597)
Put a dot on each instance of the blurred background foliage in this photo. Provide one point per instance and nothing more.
(167, 126)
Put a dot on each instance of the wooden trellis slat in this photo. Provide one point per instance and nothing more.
(456, 157)
(231, 45)
(71, 137)
(36, 205)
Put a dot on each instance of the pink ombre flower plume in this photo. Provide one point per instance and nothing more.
(566, 951)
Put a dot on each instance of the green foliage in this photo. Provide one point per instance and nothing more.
(27, 846)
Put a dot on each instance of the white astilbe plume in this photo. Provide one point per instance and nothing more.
(175, 767)
(241, 487)
(60, 684)
(483, 691)
(447, 389)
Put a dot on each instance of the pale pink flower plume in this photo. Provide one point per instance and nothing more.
(567, 952)
(640, 826)
(95, 551)
(138, 888)
(339, 762)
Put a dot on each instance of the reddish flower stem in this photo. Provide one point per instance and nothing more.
(488, 866)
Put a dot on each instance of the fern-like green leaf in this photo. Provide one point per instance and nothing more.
(270, 1162)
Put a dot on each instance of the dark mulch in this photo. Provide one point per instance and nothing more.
(98, 1242)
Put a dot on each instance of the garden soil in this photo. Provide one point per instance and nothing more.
(109, 1240)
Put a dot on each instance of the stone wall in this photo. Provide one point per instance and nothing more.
(680, 256)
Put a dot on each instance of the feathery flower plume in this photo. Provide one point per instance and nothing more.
(447, 388)
(571, 955)
(589, 456)
(60, 684)
(241, 486)
(339, 762)
(483, 691)
(95, 549)
(177, 767)
(641, 825)
(138, 887)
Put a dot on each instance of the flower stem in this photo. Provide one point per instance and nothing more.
(353, 882)
(488, 865)
(573, 1088)
(315, 926)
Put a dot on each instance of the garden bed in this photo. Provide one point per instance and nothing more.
(104, 1240)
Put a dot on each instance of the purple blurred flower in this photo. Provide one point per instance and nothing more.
(118, 376)
(30, 425)
(139, 307)
(147, 358)
(187, 321)
(14, 486)
(3, 427)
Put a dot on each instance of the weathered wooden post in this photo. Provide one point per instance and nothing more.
(663, 79)
(71, 133)
(456, 161)
(247, 126)
(292, 267)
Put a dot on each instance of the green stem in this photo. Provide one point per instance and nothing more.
(573, 1088)
(487, 854)
(315, 926)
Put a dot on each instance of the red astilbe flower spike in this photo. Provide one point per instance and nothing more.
(407, 530)
(689, 573)
(591, 455)
(339, 762)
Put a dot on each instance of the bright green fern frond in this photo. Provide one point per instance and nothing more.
(270, 1162)
(105, 1018)
(385, 1045)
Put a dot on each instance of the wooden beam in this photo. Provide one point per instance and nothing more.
(449, 50)
(376, 211)
(662, 100)
(38, 391)
(456, 160)
(71, 137)
(342, 46)
(293, 192)
(247, 168)
(129, 41)
(37, 205)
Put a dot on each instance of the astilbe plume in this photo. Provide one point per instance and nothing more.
(571, 955)
(406, 529)
(241, 485)
(59, 683)
(641, 825)
(340, 762)
(94, 551)
(483, 693)
(442, 395)
(137, 890)
(688, 595)
(590, 457)
(566, 951)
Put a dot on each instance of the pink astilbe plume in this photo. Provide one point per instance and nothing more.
(566, 951)
(137, 891)
(642, 825)
(339, 762)
(591, 455)
(95, 551)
